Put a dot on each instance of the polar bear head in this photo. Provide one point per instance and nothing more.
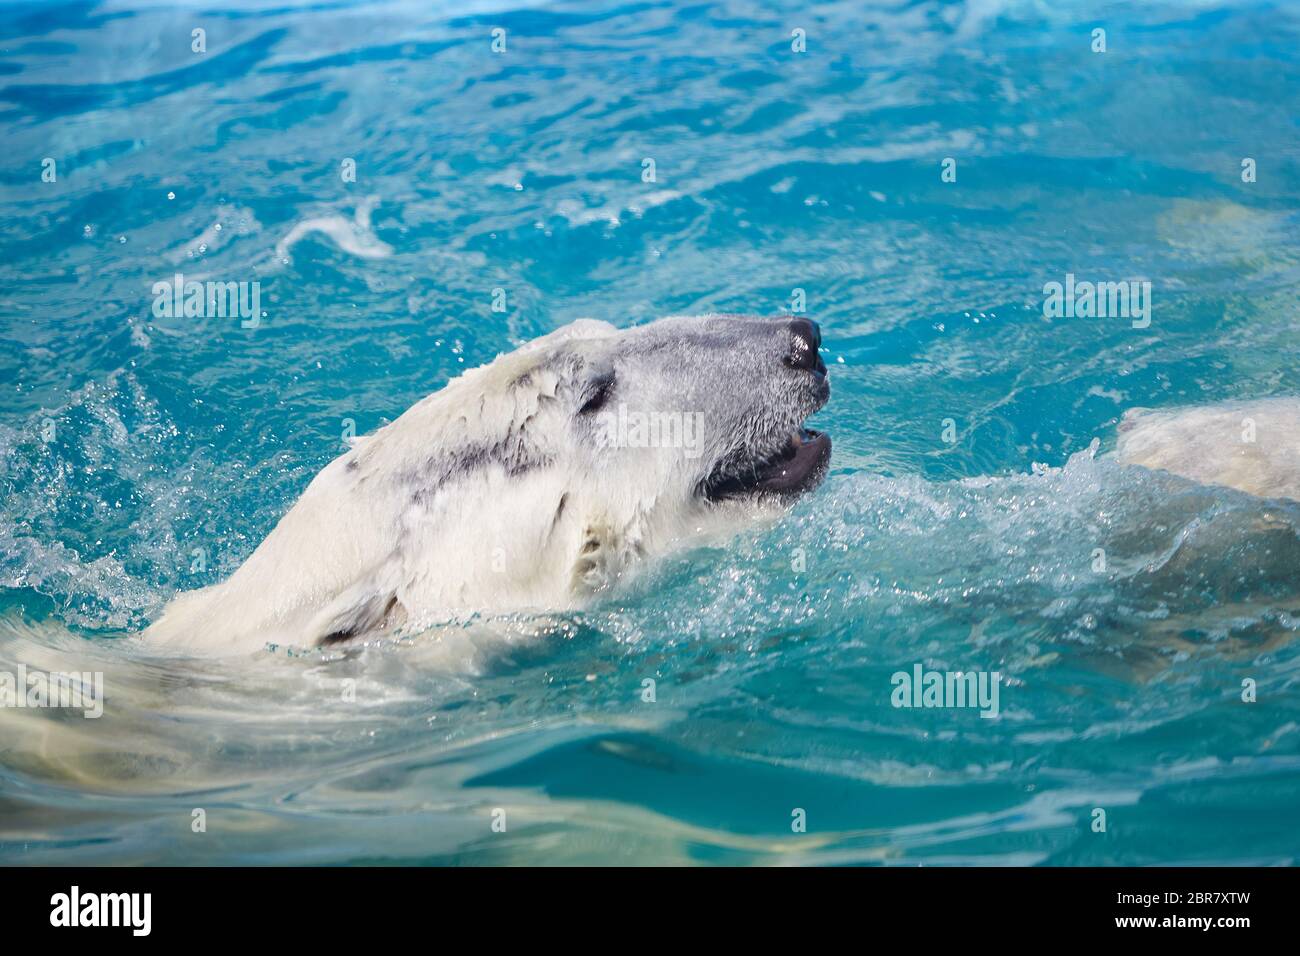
(543, 475)
(532, 482)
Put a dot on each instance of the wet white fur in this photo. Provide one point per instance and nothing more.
(1252, 446)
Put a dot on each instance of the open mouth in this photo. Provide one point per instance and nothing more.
(796, 468)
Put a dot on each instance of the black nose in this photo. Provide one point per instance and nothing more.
(805, 341)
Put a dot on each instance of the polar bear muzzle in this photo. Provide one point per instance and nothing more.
(800, 462)
(796, 468)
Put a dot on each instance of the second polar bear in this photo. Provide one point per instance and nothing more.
(1253, 446)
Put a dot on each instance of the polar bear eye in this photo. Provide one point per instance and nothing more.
(599, 391)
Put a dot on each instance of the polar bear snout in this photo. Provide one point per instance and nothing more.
(805, 347)
(767, 381)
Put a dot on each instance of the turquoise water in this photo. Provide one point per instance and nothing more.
(143, 455)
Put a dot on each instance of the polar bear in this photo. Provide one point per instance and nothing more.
(533, 482)
(1253, 446)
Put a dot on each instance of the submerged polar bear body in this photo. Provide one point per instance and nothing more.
(1253, 446)
(519, 485)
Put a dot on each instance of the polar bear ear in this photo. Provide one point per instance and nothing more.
(577, 329)
(584, 329)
